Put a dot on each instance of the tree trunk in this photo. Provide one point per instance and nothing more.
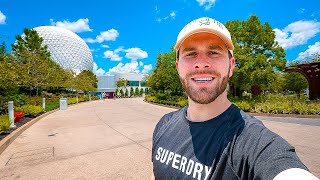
(256, 90)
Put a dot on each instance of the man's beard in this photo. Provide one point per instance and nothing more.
(205, 95)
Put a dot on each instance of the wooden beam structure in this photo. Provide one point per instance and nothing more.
(312, 72)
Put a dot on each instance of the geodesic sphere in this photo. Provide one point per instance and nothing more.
(66, 48)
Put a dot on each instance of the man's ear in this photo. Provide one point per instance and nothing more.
(232, 61)
(177, 64)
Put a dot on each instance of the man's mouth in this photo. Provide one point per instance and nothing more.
(202, 79)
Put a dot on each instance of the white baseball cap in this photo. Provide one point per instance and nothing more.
(205, 25)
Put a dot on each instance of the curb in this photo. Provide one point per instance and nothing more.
(284, 115)
(4, 143)
(252, 114)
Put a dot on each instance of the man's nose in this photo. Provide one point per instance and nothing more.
(202, 62)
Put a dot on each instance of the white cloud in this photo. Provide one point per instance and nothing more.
(140, 63)
(135, 53)
(2, 18)
(131, 53)
(109, 35)
(132, 67)
(146, 68)
(104, 46)
(172, 15)
(206, 3)
(112, 55)
(94, 50)
(119, 49)
(98, 71)
(81, 25)
(296, 33)
(310, 52)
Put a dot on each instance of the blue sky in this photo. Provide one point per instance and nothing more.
(127, 35)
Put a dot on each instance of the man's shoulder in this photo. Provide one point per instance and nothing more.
(166, 120)
(255, 131)
(172, 115)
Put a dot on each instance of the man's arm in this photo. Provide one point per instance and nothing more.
(295, 173)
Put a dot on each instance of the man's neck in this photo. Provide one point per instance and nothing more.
(203, 112)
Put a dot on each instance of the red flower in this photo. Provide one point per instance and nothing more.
(17, 116)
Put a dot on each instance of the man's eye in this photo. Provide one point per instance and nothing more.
(192, 54)
(213, 53)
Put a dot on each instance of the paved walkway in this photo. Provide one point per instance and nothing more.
(111, 139)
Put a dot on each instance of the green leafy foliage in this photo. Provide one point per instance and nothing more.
(136, 92)
(131, 92)
(244, 105)
(272, 103)
(295, 82)
(258, 56)
(30, 110)
(122, 83)
(122, 93)
(4, 123)
(126, 93)
(141, 92)
(86, 81)
(165, 76)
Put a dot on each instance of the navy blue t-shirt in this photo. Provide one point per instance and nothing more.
(230, 146)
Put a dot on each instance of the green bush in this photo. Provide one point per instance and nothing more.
(244, 105)
(183, 103)
(30, 110)
(150, 98)
(72, 100)
(4, 123)
(162, 96)
(33, 100)
(94, 98)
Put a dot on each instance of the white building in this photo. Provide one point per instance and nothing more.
(107, 84)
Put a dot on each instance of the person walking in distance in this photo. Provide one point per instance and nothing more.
(211, 138)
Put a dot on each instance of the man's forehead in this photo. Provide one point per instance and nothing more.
(194, 47)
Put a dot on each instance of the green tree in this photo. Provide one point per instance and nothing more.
(37, 72)
(121, 92)
(141, 92)
(165, 76)
(131, 92)
(136, 92)
(316, 58)
(258, 56)
(122, 84)
(117, 91)
(126, 93)
(277, 85)
(87, 81)
(2, 51)
(36, 69)
(8, 75)
(30, 42)
(295, 82)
